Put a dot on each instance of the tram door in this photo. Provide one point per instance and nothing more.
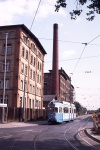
(60, 116)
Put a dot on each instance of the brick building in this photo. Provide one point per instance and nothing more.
(66, 89)
(24, 67)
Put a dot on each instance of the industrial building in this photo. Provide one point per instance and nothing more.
(21, 67)
(57, 84)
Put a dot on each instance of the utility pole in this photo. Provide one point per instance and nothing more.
(24, 98)
(70, 92)
(5, 53)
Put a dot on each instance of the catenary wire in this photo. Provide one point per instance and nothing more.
(67, 41)
(76, 58)
(83, 52)
(35, 15)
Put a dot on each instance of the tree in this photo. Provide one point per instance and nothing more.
(93, 6)
(78, 107)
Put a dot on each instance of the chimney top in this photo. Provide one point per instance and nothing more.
(56, 25)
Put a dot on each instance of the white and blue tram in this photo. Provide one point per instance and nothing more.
(61, 112)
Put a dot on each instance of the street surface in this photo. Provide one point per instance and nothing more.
(66, 136)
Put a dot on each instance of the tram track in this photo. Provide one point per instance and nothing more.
(42, 136)
(79, 137)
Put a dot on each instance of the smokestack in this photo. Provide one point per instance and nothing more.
(55, 71)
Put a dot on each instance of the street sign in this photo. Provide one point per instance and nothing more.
(3, 105)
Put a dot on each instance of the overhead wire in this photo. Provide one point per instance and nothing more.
(35, 14)
(76, 58)
(73, 42)
(83, 52)
(81, 56)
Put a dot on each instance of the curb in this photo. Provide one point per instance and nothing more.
(91, 136)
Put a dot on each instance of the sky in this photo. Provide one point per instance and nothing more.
(81, 62)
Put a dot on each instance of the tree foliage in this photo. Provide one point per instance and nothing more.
(93, 6)
(78, 107)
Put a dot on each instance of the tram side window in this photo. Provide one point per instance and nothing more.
(74, 110)
(65, 110)
(56, 109)
(60, 109)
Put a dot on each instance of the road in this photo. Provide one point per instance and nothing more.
(66, 136)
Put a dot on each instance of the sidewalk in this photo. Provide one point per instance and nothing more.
(93, 135)
(22, 124)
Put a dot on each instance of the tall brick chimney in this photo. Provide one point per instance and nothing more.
(55, 73)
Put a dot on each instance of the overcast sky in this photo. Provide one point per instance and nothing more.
(80, 62)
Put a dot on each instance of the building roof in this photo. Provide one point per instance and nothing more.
(29, 32)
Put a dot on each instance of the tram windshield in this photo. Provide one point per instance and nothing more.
(52, 109)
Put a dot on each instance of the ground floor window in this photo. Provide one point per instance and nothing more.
(5, 100)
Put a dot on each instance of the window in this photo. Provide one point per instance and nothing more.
(60, 109)
(33, 103)
(25, 85)
(37, 91)
(34, 63)
(31, 73)
(27, 55)
(30, 103)
(74, 110)
(31, 59)
(7, 66)
(9, 49)
(25, 39)
(21, 84)
(5, 100)
(33, 47)
(25, 70)
(38, 65)
(33, 89)
(20, 101)
(39, 54)
(7, 83)
(36, 103)
(23, 51)
(30, 87)
(38, 78)
(65, 110)
(22, 68)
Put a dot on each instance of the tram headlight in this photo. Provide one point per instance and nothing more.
(55, 116)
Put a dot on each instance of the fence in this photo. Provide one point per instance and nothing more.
(16, 114)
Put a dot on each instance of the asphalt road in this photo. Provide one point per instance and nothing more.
(66, 136)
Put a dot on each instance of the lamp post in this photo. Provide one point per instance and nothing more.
(24, 98)
(5, 52)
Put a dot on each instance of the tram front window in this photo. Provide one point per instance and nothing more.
(52, 109)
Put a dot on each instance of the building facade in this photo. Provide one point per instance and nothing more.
(24, 67)
(66, 89)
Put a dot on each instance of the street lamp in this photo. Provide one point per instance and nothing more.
(24, 98)
(5, 52)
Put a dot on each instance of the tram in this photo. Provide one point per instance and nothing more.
(59, 112)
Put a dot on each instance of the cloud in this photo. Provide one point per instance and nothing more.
(11, 10)
(68, 53)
